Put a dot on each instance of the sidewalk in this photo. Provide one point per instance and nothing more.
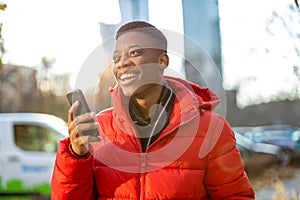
(290, 189)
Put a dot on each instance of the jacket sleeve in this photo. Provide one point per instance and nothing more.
(72, 176)
(226, 177)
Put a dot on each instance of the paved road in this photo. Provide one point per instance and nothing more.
(290, 186)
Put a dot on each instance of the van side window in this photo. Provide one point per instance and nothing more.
(32, 137)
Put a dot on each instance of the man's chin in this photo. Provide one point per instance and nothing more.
(136, 91)
(127, 92)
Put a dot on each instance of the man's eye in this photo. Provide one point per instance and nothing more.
(134, 53)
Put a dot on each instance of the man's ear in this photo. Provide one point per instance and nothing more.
(164, 60)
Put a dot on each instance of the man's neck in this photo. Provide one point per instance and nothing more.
(150, 97)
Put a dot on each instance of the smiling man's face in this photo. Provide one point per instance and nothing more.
(137, 63)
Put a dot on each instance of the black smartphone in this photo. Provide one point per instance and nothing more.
(83, 108)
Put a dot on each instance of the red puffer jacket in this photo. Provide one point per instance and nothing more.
(194, 157)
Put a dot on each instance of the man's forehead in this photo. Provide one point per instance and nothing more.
(136, 39)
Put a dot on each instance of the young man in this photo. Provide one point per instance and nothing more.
(160, 140)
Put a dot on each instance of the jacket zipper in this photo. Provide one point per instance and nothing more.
(143, 155)
(157, 120)
(142, 178)
(143, 161)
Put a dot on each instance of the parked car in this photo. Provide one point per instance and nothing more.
(247, 145)
(286, 137)
(28, 146)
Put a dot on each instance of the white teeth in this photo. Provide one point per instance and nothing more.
(125, 76)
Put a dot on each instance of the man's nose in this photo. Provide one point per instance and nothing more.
(124, 61)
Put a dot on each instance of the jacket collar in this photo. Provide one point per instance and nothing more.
(190, 101)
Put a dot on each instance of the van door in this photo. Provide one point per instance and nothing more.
(30, 161)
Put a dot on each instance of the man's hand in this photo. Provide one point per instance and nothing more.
(77, 125)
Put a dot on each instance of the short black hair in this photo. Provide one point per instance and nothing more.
(146, 28)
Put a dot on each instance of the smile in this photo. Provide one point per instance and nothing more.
(127, 76)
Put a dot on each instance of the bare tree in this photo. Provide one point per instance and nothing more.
(2, 7)
(289, 22)
(45, 82)
(10, 92)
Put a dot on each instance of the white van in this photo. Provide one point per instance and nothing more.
(28, 145)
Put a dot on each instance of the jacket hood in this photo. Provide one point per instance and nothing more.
(205, 98)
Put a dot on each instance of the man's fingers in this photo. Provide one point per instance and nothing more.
(75, 129)
(78, 125)
(82, 141)
(84, 117)
(79, 128)
(73, 110)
